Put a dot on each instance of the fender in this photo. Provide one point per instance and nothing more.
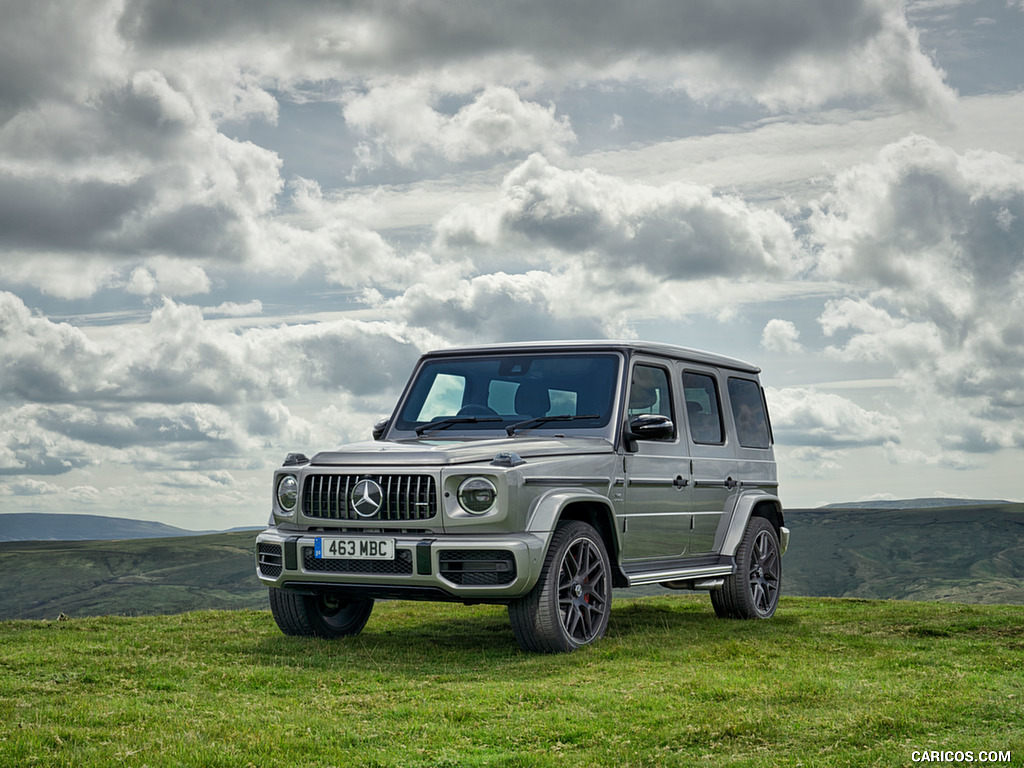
(736, 516)
(547, 510)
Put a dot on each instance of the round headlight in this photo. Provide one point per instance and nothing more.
(287, 492)
(477, 495)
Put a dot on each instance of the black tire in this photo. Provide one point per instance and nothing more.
(326, 614)
(753, 591)
(570, 604)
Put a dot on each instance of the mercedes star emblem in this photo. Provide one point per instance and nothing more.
(366, 498)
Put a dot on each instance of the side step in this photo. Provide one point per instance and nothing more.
(706, 575)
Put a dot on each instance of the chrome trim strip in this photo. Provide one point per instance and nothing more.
(656, 577)
(565, 481)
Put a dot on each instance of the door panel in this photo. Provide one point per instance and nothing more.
(656, 523)
(656, 518)
(715, 470)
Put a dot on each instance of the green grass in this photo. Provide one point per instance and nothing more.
(825, 683)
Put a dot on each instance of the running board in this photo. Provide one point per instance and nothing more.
(699, 573)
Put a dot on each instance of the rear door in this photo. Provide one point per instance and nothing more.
(753, 445)
(715, 469)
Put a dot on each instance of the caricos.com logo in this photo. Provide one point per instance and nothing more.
(959, 756)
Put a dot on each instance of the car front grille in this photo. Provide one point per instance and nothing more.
(476, 567)
(400, 566)
(403, 497)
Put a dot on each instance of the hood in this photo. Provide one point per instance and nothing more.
(446, 452)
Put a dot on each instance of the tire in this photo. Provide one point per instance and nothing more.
(327, 614)
(753, 591)
(570, 604)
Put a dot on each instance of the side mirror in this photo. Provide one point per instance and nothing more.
(379, 429)
(651, 426)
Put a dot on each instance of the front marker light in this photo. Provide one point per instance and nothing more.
(287, 493)
(477, 495)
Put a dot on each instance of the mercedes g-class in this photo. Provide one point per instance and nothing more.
(539, 476)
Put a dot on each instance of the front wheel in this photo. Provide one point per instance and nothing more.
(570, 605)
(753, 591)
(326, 614)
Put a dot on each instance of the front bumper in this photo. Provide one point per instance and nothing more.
(461, 568)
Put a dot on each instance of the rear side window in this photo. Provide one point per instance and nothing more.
(702, 408)
(749, 413)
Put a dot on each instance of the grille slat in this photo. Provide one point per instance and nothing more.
(404, 497)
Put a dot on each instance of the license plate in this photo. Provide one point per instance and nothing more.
(354, 549)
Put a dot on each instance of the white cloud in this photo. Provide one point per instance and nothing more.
(936, 238)
(168, 277)
(29, 487)
(234, 309)
(676, 231)
(781, 336)
(806, 417)
(404, 123)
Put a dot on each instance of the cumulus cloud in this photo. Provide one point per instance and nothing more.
(178, 390)
(498, 307)
(179, 357)
(112, 147)
(936, 238)
(781, 336)
(497, 121)
(807, 417)
(677, 231)
(774, 52)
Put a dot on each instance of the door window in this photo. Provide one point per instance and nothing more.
(702, 408)
(650, 392)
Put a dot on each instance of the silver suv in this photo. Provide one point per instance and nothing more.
(538, 476)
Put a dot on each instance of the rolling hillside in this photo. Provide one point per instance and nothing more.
(35, 526)
(43, 579)
(969, 554)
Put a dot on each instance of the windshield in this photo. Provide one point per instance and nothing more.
(525, 391)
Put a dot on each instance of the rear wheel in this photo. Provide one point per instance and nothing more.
(753, 591)
(325, 614)
(571, 602)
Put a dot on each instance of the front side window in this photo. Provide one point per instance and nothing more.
(553, 391)
(649, 392)
(702, 408)
(749, 413)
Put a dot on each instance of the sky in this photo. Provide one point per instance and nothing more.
(228, 229)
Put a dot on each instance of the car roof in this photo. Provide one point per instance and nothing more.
(628, 347)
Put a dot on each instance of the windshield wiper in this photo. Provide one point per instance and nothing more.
(510, 430)
(448, 421)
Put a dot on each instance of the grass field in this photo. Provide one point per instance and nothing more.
(824, 683)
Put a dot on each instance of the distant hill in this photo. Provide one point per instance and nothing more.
(973, 553)
(32, 526)
(43, 579)
(929, 503)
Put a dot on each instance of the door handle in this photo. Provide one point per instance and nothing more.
(680, 482)
(730, 483)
